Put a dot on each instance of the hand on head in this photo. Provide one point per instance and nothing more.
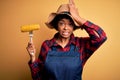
(73, 10)
(75, 14)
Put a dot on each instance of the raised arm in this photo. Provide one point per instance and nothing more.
(96, 34)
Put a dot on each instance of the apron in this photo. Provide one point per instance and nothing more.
(61, 65)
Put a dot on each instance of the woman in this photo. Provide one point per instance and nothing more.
(63, 57)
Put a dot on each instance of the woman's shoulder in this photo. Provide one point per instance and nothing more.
(48, 42)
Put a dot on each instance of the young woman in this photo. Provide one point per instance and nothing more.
(63, 57)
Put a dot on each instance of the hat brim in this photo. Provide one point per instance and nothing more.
(53, 15)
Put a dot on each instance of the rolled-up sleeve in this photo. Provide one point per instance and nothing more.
(96, 38)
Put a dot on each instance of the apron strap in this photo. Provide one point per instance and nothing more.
(72, 47)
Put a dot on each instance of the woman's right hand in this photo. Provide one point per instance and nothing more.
(31, 50)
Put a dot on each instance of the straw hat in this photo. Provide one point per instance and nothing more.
(63, 9)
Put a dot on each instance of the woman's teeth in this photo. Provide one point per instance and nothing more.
(65, 33)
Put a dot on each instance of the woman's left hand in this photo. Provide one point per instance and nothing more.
(73, 10)
(75, 14)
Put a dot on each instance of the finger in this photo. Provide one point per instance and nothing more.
(30, 49)
(31, 45)
(71, 2)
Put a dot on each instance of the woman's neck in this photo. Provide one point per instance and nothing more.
(62, 41)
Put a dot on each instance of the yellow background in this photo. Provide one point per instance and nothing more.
(103, 64)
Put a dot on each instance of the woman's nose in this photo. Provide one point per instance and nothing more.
(66, 27)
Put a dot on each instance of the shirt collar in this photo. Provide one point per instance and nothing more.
(53, 40)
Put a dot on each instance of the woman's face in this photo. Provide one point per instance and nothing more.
(65, 28)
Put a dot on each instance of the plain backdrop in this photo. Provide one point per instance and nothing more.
(103, 64)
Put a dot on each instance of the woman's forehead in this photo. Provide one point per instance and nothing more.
(65, 20)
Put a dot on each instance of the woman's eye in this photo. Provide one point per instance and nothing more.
(61, 23)
(70, 24)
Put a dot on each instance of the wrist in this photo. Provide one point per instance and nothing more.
(32, 58)
(80, 21)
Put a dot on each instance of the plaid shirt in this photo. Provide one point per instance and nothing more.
(86, 45)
